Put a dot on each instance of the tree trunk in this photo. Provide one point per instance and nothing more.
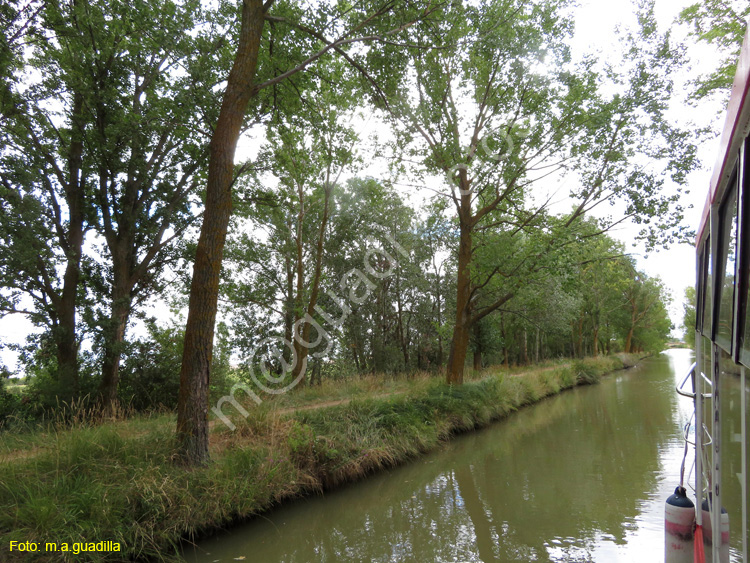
(579, 338)
(460, 342)
(596, 341)
(113, 343)
(544, 352)
(629, 341)
(503, 335)
(123, 265)
(373, 352)
(301, 345)
(403, 335)
(572, 339)
(609, 342)
(477, 359)
(297, 367)
(440, 324)
(356, 357)
(66, 342)
(65, 331)
(315, 377)
(477, 347)
(288, 308)
(192, 406)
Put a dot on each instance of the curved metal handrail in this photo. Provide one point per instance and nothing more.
(688, 394)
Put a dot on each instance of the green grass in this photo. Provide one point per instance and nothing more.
(117, 481)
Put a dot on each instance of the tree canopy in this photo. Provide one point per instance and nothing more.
(721, 23)
(120, 179)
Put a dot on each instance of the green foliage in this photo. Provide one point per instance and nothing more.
(106, 134)
(649, 323)
(109, 476)
(150, 374)
(721, 23)
(10, 402)
(45, 397)
(485, 86)
(582, 301)
(491, 146)
(689, 316)
(585, 373)
(301, 441)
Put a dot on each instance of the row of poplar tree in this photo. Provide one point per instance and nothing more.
(120, 185)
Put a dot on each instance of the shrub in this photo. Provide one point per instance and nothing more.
(150, 373)
(586, 374)
(9, 402)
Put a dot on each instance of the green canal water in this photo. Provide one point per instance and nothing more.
(579, 477)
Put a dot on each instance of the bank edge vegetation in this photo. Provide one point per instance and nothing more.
(120, 188)
(117, 481)
(120, 127)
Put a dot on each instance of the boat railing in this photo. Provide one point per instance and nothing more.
(689, 376)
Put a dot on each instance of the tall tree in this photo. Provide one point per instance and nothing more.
(644, 314)
(192, 406)
(601, 270)
(436, 236)
(304, 158)
(370, 220)
(139, 98)
(148, 139)
(500, 109)
(366, 21)
(43, 191)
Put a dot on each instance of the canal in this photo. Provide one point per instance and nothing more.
(579, 477)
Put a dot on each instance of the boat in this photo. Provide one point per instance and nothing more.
(696, 526)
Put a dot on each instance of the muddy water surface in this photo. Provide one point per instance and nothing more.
(580, 477)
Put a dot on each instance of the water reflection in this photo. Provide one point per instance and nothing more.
(579, 477)
(731, 436)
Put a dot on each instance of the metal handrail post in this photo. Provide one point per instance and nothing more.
(715, 504)
(743, 430)
(698, 402)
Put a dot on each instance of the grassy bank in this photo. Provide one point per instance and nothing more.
(116, 481)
